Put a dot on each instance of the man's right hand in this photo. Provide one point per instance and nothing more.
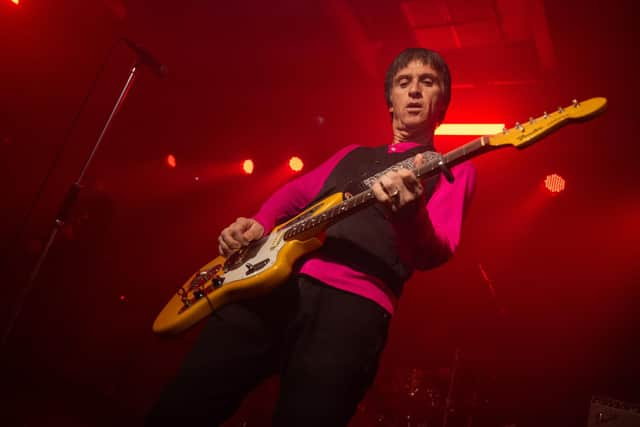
(238, 235)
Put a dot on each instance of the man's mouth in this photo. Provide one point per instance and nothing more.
(414, 106)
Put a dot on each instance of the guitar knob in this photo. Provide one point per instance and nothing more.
(217, 282)
(198, 293)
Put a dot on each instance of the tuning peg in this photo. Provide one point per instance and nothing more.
(504, 130)
(560, 110)
(575, 103)
(519, 126)
(530, 120)
(546, 115)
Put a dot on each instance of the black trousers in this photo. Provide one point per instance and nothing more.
(324, 343)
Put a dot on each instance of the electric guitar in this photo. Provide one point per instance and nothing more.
(268, 262)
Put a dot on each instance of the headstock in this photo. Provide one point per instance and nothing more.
(521, 135)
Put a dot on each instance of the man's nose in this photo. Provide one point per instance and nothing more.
(414, 91)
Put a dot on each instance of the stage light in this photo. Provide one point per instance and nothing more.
(554, 183)
(16, 2)
(171, 161)
(247, 166)
(295, 163)
(479, 129)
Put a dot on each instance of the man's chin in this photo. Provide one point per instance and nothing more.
(415, 123)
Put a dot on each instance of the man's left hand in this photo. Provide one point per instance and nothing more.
(399, 189)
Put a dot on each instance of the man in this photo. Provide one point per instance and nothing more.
(323, 330)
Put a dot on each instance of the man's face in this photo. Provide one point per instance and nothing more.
(416, 96)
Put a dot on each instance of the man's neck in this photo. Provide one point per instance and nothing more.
(420, 137)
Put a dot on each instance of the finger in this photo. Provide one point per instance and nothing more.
(390, 183)
(395, 196)
(237, 233)
(420, 161)
(227, 237)
(223, 251)
(243, 223)
(387, 191)
(380, 193)
(223, 248)
(255, 231)
(411, 187)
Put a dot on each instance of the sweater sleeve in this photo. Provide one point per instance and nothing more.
(434, 234)
(294, 196)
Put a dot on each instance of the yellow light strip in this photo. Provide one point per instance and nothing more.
(469, 128)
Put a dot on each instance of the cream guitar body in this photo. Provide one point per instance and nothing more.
(253, 271)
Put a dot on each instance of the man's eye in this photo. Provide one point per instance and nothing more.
(428, 82)
(404, 83)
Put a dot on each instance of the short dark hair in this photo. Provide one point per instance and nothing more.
(427, 57)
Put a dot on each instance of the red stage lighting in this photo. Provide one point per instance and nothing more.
(554, 183)
(16, 2)
(295, 163)
(247, 166)
(171, 161)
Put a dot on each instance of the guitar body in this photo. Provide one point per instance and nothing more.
(252, 271)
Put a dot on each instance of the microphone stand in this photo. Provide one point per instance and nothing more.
(66, 207)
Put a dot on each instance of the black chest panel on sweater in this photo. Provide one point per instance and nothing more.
(366, 241)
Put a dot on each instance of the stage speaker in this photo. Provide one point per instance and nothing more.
(608, 412)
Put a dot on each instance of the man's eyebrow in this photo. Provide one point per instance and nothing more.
(421, 76)
(430, 75)
(402, 76)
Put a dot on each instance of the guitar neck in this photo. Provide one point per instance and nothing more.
(520, 136)
(465, 152)
(366, 198)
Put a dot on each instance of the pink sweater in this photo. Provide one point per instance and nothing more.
(444, 211)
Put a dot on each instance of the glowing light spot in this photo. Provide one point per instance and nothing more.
(171, 161)
(122, 298)
(295, 163)
(469, 128)
(247, 166)
(554, 183)
(16, 2)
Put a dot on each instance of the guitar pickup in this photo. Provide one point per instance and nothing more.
(252, 268)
